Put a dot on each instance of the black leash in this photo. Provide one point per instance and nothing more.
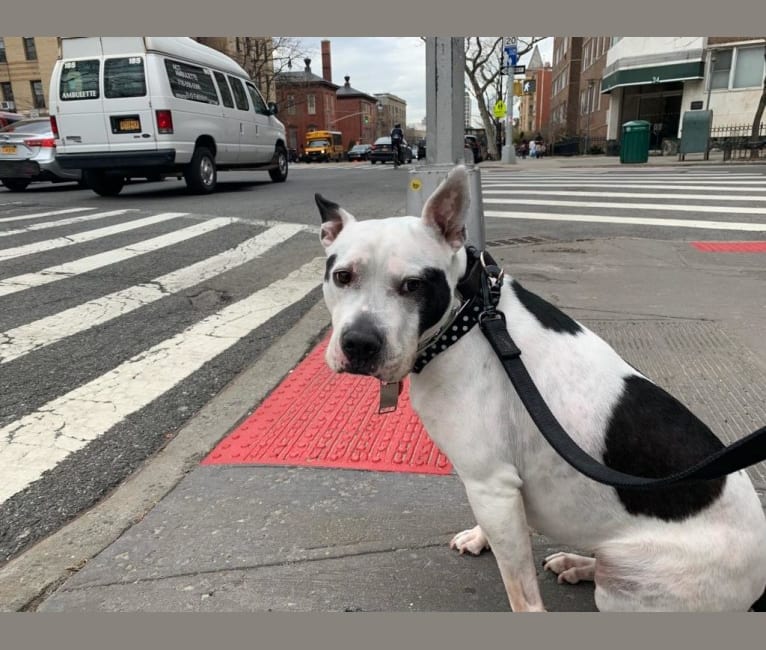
(744, 452)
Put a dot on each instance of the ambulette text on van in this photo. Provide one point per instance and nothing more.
(148, 107)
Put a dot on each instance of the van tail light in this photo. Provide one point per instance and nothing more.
(54, 127)
(47, 143)
(164, 121)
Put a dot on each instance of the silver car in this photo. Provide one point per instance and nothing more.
(28, 153)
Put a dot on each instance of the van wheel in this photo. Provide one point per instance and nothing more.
(104, 184)
(16, 184)
(279, 173)
(200, 174)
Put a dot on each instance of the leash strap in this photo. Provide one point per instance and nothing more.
(744, 452)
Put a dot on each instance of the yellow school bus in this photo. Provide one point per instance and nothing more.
(324, 146)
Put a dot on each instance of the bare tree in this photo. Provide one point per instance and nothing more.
(484, 59)
(755, 131)
(264, 57)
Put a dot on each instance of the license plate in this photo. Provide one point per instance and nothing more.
(129, 125)
(8, 148)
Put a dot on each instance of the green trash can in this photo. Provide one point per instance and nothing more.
(634, 147)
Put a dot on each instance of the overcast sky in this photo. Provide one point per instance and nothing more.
(394, 65)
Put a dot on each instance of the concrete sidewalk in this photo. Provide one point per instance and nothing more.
(183, 537)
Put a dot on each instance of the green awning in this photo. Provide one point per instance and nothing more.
(654, 74)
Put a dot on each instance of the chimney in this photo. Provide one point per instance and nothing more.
(307, 61)
(348, 80)
(326, 62)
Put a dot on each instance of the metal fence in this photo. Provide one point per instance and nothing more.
(736, 143)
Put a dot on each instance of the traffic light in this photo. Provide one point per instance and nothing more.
(517, 90)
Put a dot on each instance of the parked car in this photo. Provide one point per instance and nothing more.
(421, 149)
(359, 152)
(472, 143)
(28, 153)
(7, 118)
(382, 152)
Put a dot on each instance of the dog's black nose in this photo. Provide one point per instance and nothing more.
(361, 346)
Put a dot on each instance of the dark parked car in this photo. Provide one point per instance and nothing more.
(359, 152)
(472, 143)
(381, 151)
(28, 153)
(421, 149)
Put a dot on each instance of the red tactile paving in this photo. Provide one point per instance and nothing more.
(317, 418)
(730, 246)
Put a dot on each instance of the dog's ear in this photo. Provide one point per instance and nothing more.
(446, 208)
(333, 219)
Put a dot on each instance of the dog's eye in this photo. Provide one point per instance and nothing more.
(411, 285)
(342, 278)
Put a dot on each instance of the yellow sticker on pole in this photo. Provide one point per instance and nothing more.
(416, 184)
(499, 109)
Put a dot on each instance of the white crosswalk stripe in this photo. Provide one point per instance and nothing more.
(37, 438)
(662, 199)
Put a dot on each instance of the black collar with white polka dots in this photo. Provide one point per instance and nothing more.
(466, 316)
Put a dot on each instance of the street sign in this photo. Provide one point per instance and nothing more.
(511, 40)
(511, 56)
(519, 69)
(499, 109)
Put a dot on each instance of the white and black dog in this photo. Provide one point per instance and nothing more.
(391, 288)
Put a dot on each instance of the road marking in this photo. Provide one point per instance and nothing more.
(59, 223)
(736, 209)
(647, 186)
(88, 235)
(45, 331)
(40, 440)
(638, 221)
(44, 214)
(99, 260)
(633, 195)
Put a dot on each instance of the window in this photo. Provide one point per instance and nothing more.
(38, 98)
(721, 69)
(240, 96)
(748, 68)
(291, 105)
(190, 82)
(258, 104)
(30, 51)
(3, 58)
(739, 67)
(79, 80)
(124, 77)
(7, 90)
(223, 89)
(311, 104)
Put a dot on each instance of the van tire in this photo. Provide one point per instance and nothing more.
(278, 174)
(104, 184)
(16, 184)
(200, 174)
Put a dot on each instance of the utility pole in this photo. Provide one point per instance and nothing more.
(445, 133)
(509, 52)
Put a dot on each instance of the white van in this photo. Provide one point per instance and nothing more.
(124, 107)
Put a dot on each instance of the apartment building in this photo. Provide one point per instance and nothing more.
(594, 107)
(392, 110)
(565, 87)
(26, 65)
(734, 79)
(535, 107)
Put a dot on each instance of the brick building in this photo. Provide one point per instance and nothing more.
(357, 115)
(26, 65)
(565, 86)
(593, 106)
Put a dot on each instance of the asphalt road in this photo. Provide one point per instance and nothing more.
(82, 398)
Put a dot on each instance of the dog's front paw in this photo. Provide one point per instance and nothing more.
(570, 568)
(472, 540)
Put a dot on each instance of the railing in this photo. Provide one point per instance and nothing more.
(735, 141)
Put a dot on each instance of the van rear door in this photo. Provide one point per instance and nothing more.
(128, 119)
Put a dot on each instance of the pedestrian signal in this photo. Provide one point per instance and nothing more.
(529, 86)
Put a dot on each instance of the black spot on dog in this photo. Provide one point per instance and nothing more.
(548, 316)
(328, 266)
(652, 434)
(433, 297)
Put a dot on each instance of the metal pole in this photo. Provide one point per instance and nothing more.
(509, 151)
